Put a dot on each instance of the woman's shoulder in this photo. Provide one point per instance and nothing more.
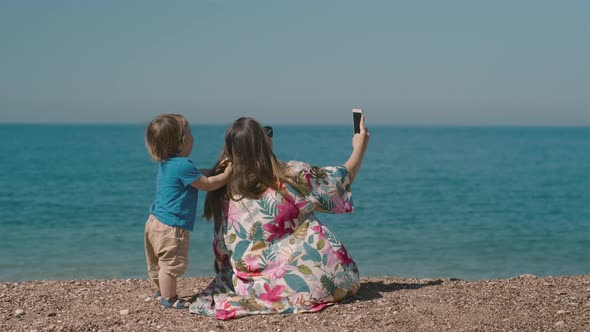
(250, 203)
(295, 166)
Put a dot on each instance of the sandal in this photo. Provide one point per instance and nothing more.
(158, 295)
(174, 302)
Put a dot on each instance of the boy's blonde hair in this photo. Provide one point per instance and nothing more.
(165, 136)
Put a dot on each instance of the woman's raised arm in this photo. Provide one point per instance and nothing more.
(359, 147)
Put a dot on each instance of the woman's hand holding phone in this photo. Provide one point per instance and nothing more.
(360, 141)
(361, 136)
(357, 113)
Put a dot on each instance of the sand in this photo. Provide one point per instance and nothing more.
(525, 303)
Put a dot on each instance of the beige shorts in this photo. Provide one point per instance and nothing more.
(166, 248)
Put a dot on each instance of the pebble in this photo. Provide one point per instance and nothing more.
(561, 312)
(588, 289)
(2, 296)
(124, 312)
(147, 299)
(560, 323)
(19, 312)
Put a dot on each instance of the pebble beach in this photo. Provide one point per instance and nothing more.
(524, 303)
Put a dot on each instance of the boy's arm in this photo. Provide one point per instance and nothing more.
(205, 171)
(210, 183)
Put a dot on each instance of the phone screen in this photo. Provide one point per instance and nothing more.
(356, 118)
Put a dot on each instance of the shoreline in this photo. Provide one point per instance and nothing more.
(526, 303)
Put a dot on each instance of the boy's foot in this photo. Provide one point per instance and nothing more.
(175, 303)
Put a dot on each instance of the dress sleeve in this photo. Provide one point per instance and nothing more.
(328, 187)
(188, 172)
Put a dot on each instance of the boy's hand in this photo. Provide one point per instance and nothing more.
(228, 169)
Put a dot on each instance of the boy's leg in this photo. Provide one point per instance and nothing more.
(168, 288)
(150, 253)
(173, 259)
(167, 285)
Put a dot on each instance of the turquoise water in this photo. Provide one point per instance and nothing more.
(469, 203)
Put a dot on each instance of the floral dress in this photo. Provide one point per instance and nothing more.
(273, 256)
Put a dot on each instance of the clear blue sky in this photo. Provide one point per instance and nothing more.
(405, 62)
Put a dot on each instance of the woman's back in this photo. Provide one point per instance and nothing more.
(276, 256)
(272, 255)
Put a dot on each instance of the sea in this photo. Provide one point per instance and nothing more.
(430, 202)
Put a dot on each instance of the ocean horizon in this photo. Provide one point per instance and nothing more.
(444, 201)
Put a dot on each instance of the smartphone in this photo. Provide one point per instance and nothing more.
(357, 113)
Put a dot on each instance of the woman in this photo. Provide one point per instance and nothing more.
(271, 253)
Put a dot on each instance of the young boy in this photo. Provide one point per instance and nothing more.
(169, 141)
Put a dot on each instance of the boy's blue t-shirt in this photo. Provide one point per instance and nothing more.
(176, 199)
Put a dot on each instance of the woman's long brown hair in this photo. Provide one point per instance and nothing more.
(255, 168)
